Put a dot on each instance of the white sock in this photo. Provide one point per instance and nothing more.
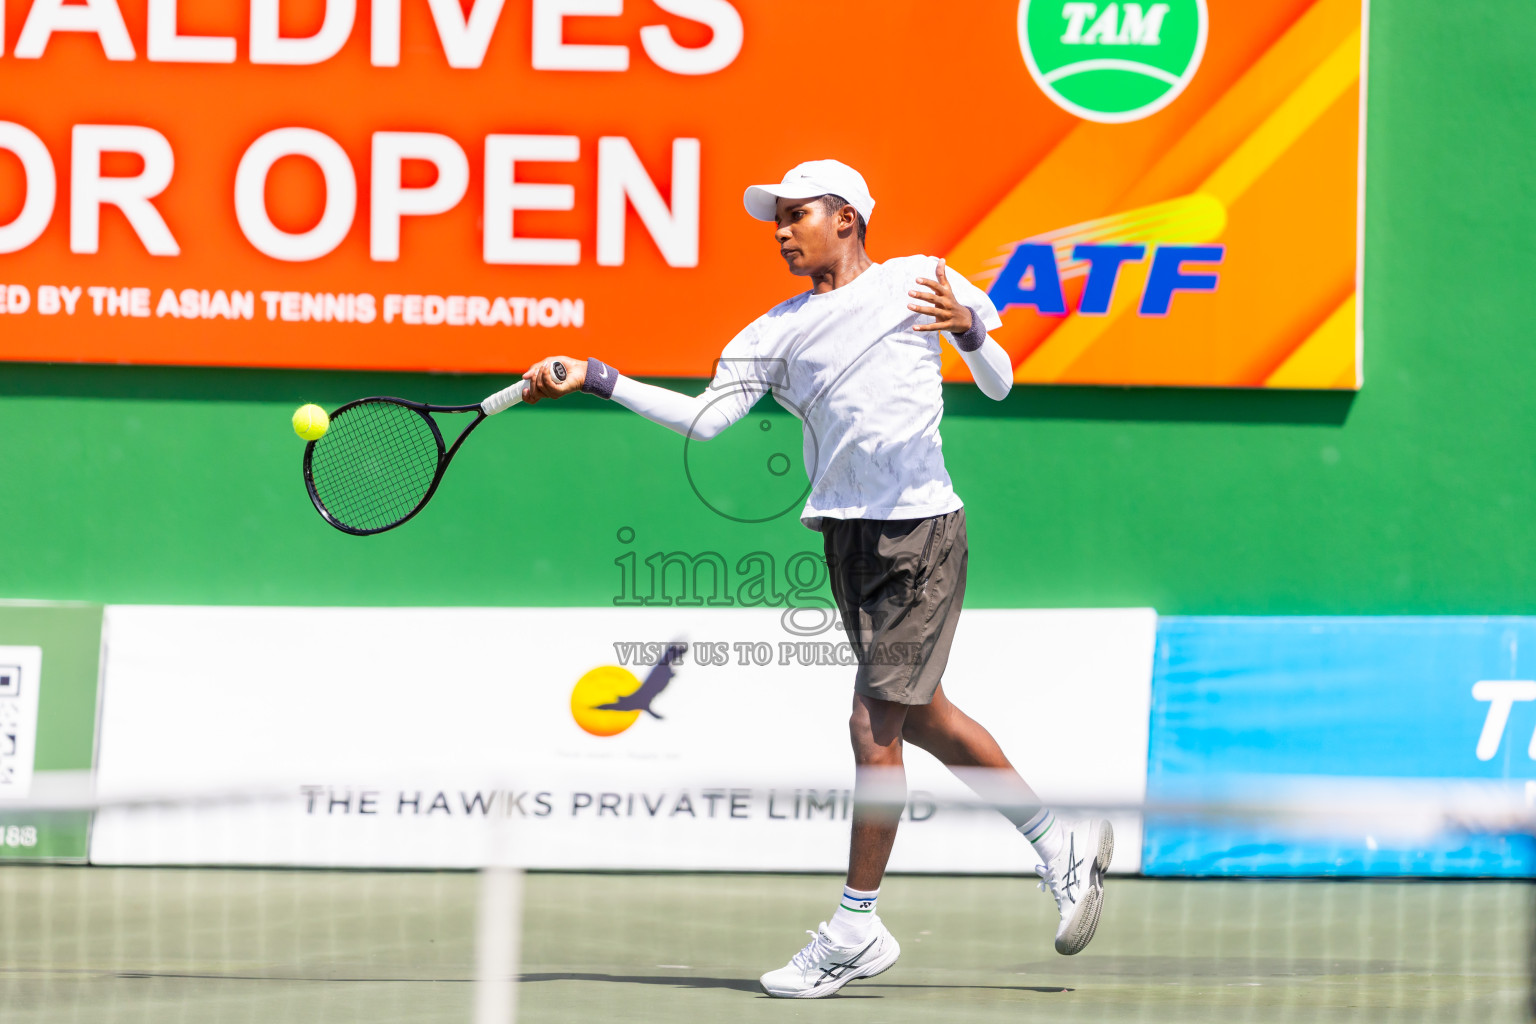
(1044, 834)
(853, 922)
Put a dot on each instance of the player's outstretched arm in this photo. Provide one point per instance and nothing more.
(989, 364)
(699, 417)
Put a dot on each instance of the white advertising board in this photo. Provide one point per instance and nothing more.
(446, 737)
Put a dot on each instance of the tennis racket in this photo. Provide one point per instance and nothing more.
(382, 458)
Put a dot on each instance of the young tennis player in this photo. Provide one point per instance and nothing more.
(857, 359)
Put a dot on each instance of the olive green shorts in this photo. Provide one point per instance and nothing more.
(899, 585)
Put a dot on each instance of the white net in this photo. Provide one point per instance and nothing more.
(174, 942)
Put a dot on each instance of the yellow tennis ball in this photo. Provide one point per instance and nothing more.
(310, 422)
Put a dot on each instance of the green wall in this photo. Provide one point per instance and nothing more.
(122, 484)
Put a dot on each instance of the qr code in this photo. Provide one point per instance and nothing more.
(10, 681)
(10, 736)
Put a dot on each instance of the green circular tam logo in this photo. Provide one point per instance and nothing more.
(1112, 62)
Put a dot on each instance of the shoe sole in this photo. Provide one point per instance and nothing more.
(1093, 902)
(869, 970)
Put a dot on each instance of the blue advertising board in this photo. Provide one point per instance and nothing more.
(1240, 700)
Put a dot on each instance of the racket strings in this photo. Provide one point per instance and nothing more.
(374, 465)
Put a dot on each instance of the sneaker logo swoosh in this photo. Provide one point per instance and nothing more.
(1074, 862)
(834, 971)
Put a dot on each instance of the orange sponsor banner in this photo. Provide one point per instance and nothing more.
(1153, 193)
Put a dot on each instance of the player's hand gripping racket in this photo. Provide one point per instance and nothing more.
(382, 458)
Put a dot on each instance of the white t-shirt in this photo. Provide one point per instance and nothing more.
(865, 385)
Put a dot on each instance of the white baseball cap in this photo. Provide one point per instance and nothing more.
(807, 181)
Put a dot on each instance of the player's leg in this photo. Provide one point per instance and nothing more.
(962, 743)
(1074, 854)
(869, 564)
(854, 943)
(880, 787)
(964, 746)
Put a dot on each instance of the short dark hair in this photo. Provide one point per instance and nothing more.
(832, 204)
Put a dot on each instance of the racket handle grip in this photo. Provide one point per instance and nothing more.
(505, 399)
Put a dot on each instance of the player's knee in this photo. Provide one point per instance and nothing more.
(877, 755)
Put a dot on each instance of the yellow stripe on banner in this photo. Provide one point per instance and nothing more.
(1288, 123)
(1326, 359)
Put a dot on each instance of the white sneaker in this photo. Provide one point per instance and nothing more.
(821, 968)
(1079, 893)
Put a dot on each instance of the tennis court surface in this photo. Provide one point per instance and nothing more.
(172, 945)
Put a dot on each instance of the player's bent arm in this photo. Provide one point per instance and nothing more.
(695, 417)
(989, 364)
